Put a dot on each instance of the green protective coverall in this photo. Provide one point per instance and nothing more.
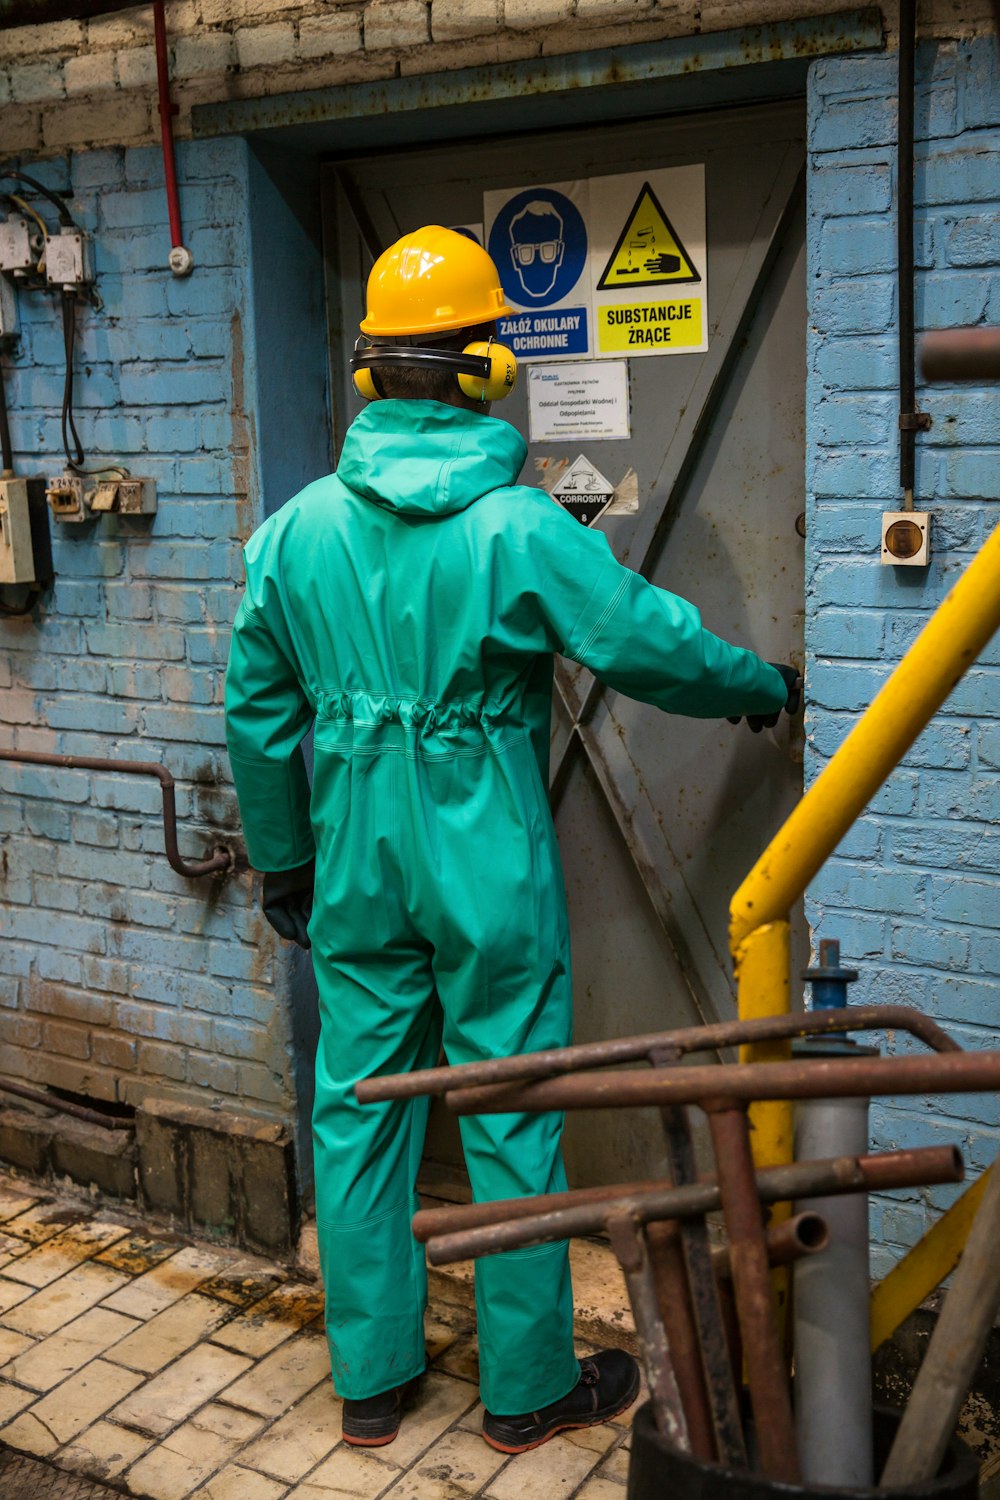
(409, 606)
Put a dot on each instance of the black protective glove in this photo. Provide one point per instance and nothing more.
(288, 901)
(793, 682)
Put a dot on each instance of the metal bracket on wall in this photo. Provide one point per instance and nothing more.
(220, 860)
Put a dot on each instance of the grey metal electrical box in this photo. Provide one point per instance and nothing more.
(25, 547)
(67, 259)
(15, 246)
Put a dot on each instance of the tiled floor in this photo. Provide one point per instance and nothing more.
(172, 1370)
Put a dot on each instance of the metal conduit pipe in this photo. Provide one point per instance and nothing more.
(911, 421)
(220, 860)
(64, 1107)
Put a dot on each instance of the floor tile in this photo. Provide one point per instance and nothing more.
(180, 1463)
(137, 1253)
(13, 1202)
(300, 1439)
(271, 1386)
(228, 1421)
(12, 1344)
(167, 1335)
(79, 1401)
(166, 1283)
(104, 1451)
(69, 1349)
(461, 1459)
(554, 1470)
(600, 1489)
(63, 1300)
(440, 1401)
(179, 1390)
(259, 1330)
(236, 1483)
(11, 1248)
(13, 1398)
(596, 1440)
(28, 1435)
(242, 1286)
(11, 1293)
(60, 1254)
(39, 1223)
(616, 1465)
(348, 1474)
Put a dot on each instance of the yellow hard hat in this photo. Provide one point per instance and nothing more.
(432, 281)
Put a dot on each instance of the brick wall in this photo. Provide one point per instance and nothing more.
(913, 892)
(71, 83)
(118, 978)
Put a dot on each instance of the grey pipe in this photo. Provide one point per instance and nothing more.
(833, 1395)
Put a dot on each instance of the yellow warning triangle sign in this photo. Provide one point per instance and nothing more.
(649, 251)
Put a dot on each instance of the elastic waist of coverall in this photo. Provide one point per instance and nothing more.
(354, 723)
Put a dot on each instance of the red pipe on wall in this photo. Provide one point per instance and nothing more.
(180, 261)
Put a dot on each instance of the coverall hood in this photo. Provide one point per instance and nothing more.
(425, 458)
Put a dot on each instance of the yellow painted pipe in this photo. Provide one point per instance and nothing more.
(926, 1265)
(947, 646)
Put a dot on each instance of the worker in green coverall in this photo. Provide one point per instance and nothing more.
(409, 607)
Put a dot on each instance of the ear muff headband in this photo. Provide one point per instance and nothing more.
(485, 371)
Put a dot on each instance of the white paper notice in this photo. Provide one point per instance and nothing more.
(585, 400)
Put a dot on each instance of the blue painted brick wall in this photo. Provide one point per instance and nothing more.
(913, 892)
(119, 979)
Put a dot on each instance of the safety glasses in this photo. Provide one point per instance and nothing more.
(547, 252)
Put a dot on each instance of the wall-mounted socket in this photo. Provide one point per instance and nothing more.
(16, 253)
(65, 497)
(126, 497)
(906, 538)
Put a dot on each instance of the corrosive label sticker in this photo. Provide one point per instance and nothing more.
(632, 328)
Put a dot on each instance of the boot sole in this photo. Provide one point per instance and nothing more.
(370, 1442)
(596, 1420)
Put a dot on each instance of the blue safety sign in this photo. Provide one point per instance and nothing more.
(538, 242)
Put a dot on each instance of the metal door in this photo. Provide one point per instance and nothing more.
(658, 817)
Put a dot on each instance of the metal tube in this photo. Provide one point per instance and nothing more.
(520, 1222)
(629, 1244)
(167, 112)
(951, 640)
(961, 354)
(715, 1386)
(670, 1273)
(833, 1372)
(768, 1380)
(802, 1235)
(64, 1107)
(744, 1033)
(908, 419)
(220, 860)
(949, 1072)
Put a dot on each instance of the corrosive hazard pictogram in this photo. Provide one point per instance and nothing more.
(649, 251)
(583, 491)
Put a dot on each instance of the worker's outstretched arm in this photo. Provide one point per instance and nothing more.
(267, 716)
(640, 639)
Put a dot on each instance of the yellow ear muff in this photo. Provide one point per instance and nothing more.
(501, 379)
(365, 385)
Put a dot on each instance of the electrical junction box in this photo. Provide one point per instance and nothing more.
(67, 259)
(906, 538)
(25, 547)
(65, 497)
(16, 255)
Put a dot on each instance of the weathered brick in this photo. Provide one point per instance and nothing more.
(396, 23)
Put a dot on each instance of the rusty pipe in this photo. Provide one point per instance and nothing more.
(788, 1241)
(819, 1078)
(559, 1060)
(222, 859)
(961, 354)
(630, 1245)
(670, 1273)
(428, 1223)
(64, 1107)
(770, 1397)
(519, 1222)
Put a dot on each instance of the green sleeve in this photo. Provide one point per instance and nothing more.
(267, 716)
(641, 640)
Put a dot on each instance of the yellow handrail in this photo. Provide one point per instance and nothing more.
(759, 911)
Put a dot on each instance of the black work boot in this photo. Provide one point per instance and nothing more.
(608, 1384)
(374, 1421)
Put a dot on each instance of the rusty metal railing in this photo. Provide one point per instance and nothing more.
(220, 860)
